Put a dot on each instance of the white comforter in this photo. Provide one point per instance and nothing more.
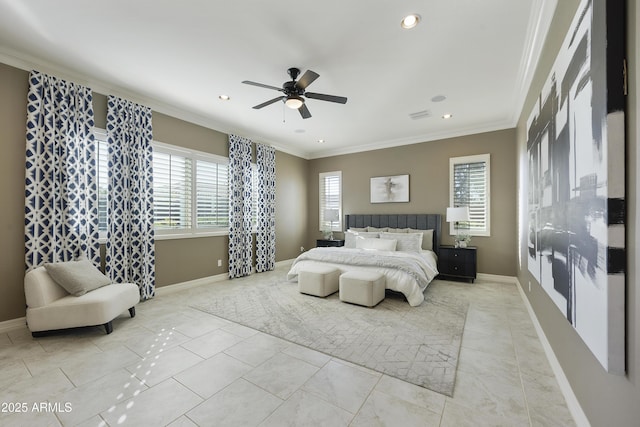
(406, 272)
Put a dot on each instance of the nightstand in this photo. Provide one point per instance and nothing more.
(457, 262)
(326, 243)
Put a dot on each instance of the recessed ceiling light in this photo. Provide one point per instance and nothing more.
(224, 97)
(438, 98)
(447, 116)
(410, 21)
(321, 141)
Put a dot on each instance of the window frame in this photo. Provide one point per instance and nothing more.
(485, 158)
(100, 137)
(194, 155)
(322, 206)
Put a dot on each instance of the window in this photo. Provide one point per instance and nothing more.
(330, 201)
(190, 191)
(102, 149)
(469, 186)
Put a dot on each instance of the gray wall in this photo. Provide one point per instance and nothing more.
(14, 85)
(428, 167)
(177, 260)
(607, 400)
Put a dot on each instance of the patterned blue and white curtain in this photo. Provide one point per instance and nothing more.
(240, 238)
(130, 236)
(266, 230)
(61, 191)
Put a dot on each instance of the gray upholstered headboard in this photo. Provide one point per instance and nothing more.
(417, 221)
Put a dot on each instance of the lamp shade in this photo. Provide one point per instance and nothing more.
(294, 102)
(331, 215)
(458, 214)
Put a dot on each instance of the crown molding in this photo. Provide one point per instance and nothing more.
(28, 63)
(542, 12)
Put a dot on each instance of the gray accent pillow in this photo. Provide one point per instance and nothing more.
(427, 238)
(406, 242)
(77, 277)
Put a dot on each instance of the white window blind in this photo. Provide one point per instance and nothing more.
(172, 182)
(102, 151)
(212, 194)
(191, 192)
(330, 201)
(254, 197)
(469, 181)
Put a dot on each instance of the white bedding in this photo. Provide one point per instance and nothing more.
(411, 276)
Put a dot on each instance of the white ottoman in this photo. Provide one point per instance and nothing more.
(362, 287)
(318, 280)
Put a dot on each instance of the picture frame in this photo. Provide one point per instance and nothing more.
(390, 189)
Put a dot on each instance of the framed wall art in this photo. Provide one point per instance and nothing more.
(390, 189)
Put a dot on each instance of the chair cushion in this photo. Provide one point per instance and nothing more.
(93, 308)
(77, 277)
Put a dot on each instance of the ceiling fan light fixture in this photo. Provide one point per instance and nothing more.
(410, 21)
(294, 102)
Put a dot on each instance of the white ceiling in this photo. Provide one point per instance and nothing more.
(178, 56)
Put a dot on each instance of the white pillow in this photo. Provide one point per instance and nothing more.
(376, 244)
(356, 229)
(351, 236)
(377, 230)
(427, 238)
(406, 242)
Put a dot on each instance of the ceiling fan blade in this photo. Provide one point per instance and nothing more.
(304, 111)
(307, 78)
(323, 97)
(247, 82)
(269, 102)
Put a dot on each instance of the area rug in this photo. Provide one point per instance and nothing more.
(419, 345)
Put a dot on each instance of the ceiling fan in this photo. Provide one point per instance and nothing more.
(295, 90)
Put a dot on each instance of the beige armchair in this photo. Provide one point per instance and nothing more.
(51, 307)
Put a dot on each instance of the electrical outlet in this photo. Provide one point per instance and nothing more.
(219, 263)
(301, 248)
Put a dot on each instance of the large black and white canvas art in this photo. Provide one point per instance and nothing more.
(576, 176)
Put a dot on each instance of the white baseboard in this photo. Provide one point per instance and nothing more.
(170, 289)
(13, 324)
(496, 278)
(569, 396)
(177, 287)
(285, 262)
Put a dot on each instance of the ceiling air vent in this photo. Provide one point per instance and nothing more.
(420, 114)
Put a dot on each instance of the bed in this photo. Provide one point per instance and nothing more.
(407, 269)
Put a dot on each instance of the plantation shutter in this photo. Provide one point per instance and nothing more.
(171, 191)
(470, 182)
(330, 201)
(103, 181)
(254, 196)
(212, 194)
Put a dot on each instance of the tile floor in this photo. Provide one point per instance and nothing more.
(173, 365)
